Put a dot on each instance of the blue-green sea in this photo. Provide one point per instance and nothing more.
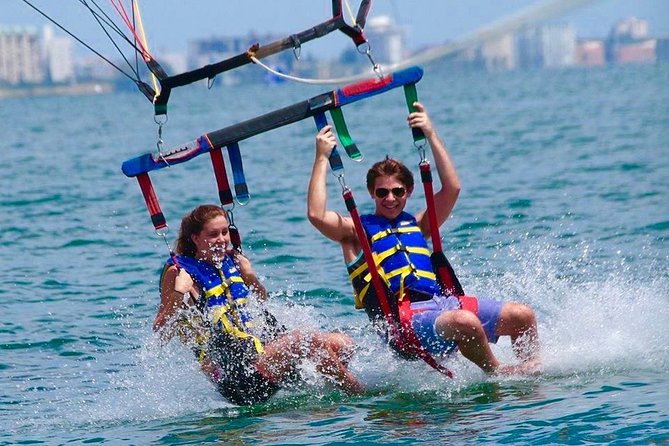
(564, 206)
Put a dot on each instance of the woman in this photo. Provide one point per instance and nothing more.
(204, 301)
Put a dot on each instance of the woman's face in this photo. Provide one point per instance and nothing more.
(213, 240)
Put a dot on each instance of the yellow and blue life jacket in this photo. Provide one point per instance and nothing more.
(402, 256)
(223, 297)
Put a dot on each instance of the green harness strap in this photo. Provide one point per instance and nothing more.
(344, 137)
(411, 96)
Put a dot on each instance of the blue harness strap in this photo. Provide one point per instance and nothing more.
(241, 189)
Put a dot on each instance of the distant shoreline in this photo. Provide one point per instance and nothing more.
(57, 90)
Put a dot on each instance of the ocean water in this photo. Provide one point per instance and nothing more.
(564, 207)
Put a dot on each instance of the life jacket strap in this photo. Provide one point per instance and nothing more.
(407, 270)
(380, 257)
(389, 231)
(360, 297)
(220, 314)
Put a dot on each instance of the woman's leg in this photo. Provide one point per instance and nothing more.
(330, 351)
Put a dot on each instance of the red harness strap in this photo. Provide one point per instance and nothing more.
(445, 274)
(403, 338)
(152, 205)
(224, 191)
(413, 345)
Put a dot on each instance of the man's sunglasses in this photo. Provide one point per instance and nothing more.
(382, 192)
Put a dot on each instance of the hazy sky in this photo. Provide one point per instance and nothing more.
(170, 24)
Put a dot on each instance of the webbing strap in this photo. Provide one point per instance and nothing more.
(383, 255)
(220, 314)
(220, 289)
(445, 273)
(407, 270)
(363, 10)
(411, 96)
(344, 136)
(336, 163)
(386, 232)
(241, 189)
(354, 32)
(224, 192)
(371, 264)
(152, 205)
(403, 337)
(416, 348)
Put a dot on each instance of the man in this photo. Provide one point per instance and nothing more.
(438, 320)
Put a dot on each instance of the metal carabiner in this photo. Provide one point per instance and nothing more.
(420, 146)
(342, 182)
(231, 217)
(368, 52)
(297, 46)
(159, 143)
(163, 235)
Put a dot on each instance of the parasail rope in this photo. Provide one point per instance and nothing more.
(145, 45)
(120, 9)
(350, 13)
(341, 80)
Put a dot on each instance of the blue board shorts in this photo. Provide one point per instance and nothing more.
(426, 313)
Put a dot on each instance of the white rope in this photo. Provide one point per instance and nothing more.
(526, 16)
(341, 80)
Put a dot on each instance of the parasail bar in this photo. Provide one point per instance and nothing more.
(272, 120)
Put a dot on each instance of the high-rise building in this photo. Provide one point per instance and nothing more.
(559, 45)
(590, 53)
(58, 57)
(21, 56)
(528, 48)
(632, 28)
(628, 42)
(212, 50)
(499, 54)
(550, 45)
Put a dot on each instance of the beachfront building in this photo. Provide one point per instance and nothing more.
(590, 53)
(58, 57)
(546, 46)
(20, 56)
(499, 54)
(202, 52)
(628, 42)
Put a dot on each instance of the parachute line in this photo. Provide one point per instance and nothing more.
(42, 13)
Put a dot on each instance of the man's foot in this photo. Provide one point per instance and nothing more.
(531, 367)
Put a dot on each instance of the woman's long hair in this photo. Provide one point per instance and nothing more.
(193, 224)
